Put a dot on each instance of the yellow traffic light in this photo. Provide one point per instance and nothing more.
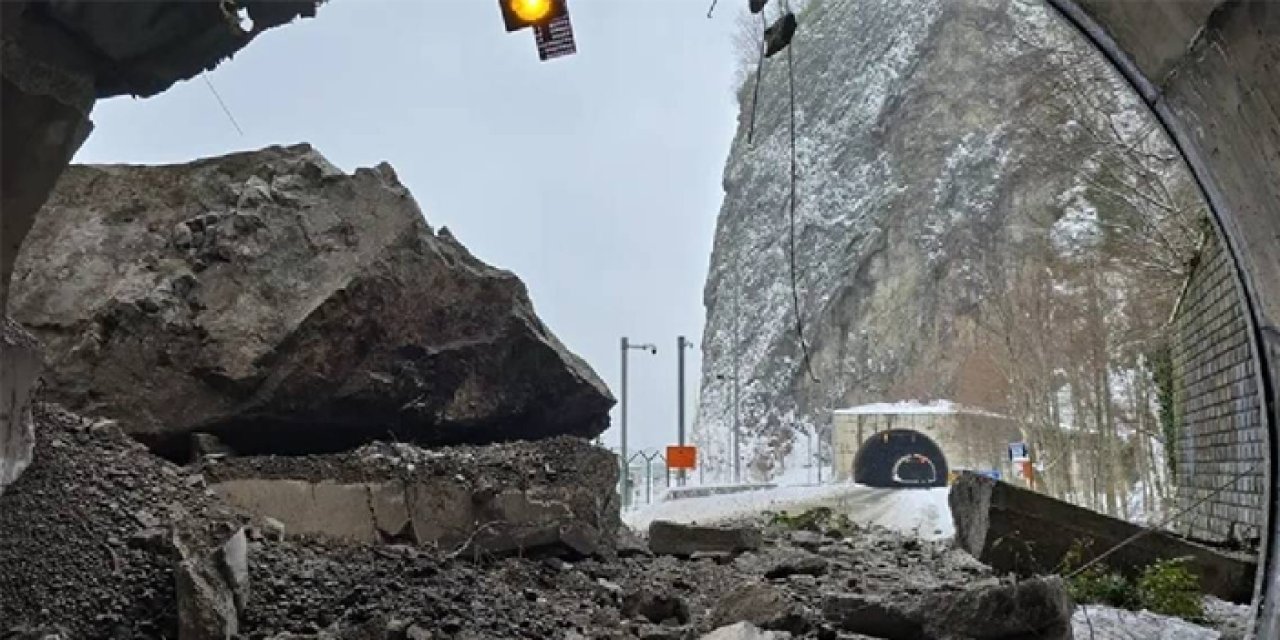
(530, 10)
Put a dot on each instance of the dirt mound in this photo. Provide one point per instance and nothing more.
(83, 533)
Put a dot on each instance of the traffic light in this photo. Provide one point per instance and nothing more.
(522, 14)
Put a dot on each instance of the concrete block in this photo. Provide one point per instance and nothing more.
(1028, 533)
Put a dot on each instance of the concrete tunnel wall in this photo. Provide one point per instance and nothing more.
(1210, 72)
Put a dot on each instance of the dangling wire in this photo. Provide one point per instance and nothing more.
(795, 287)
(712, 8)
(755, 92)
(222, 104)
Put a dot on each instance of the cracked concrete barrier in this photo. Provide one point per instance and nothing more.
(20, 366)
(554, 496)
(359, 512)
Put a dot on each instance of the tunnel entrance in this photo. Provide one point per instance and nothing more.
(900, 458)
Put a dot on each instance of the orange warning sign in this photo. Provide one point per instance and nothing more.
(682, 457)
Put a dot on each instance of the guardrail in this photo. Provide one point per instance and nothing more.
(684, 493)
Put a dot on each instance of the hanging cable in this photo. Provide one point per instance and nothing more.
(755, 92)
(795, 287)
(1163, 523)
(222, 104)
(712, 8)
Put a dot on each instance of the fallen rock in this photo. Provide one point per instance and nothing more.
(631, 545)
(1039, 608)
(809, 540)
(655, 607)
(1036, 608)
(745, 631)
(675, 539)
(872, 615)
(763, 605)
(207, 444)
(783, 562)
(20, 355)
(285, 307)
(273, 528)
(213, 590)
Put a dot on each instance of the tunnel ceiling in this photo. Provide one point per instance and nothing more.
(138, 47)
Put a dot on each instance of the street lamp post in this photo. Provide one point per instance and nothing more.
(626, 465)
(735, 433)
(808, 446)
(681, 345)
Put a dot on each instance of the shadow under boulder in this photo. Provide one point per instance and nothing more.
(285, 307)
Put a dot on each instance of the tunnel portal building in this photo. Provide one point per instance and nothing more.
(917, 444)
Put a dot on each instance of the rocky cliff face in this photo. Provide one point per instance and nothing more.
(288, 308)
(915, 179)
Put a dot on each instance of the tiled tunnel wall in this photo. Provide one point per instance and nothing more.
(1221, 434)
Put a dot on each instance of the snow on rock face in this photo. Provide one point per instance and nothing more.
(912, 407)
(910, 171)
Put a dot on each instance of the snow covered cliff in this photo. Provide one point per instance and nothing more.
(923, 173)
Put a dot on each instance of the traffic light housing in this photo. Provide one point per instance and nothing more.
(522, 14)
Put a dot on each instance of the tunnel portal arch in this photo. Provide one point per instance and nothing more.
(878, 462)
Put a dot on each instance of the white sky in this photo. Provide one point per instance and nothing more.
(596, 178)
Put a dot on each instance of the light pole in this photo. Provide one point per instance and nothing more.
(735, 433)
(737, 340)
(681, 345)
(626, 466)
(808, 446)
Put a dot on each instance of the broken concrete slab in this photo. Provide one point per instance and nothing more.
(1028, 533)
(554, 496)
(20, 366)
(676, 539)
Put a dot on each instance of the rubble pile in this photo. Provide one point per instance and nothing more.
(86, 533)
(103, 539)
(100, 538)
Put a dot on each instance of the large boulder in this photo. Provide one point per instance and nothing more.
(284, 306)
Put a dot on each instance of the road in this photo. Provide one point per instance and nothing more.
(922, 512)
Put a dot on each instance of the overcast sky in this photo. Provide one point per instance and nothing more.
(596, 178)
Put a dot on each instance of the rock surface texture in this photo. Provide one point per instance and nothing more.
(283, 306)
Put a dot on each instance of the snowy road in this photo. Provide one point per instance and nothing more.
(920, 511)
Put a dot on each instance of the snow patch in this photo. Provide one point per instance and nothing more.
(934, 407)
